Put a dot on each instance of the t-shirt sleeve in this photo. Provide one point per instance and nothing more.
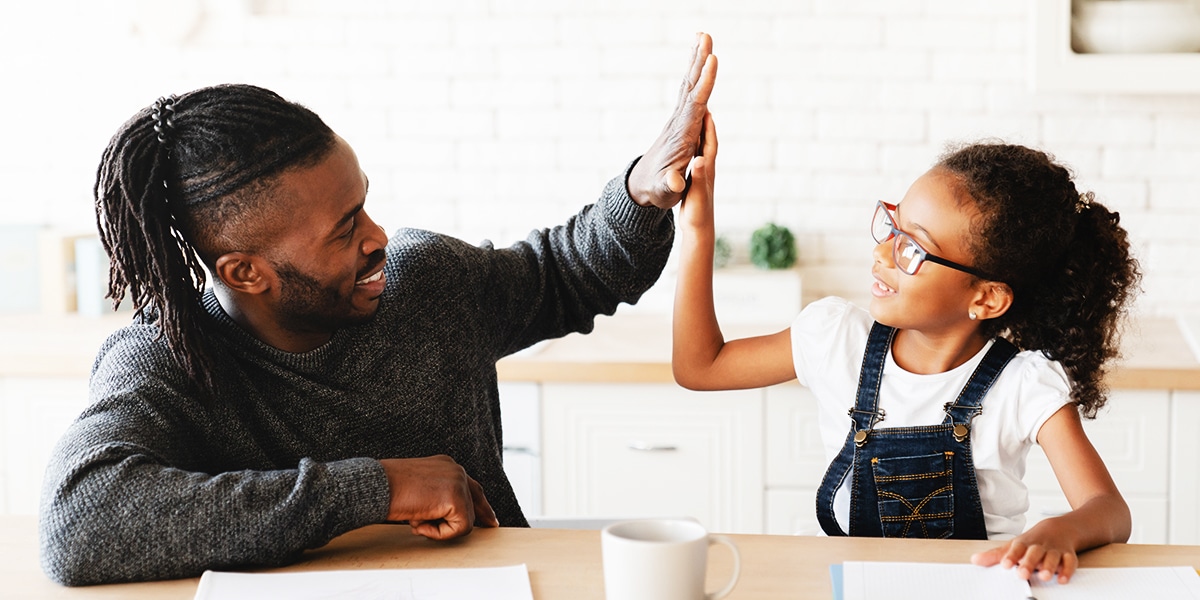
(1044, 388)
(825, 329)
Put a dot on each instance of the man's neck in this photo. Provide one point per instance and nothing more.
(258, 321)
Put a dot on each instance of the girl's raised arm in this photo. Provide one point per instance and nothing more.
(701, 359)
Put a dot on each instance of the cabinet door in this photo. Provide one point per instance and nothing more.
(1131, 435)
(1185, 468)
(519, 414)
(792, 511)
(643, 450)
(795, 457)
(34, 414)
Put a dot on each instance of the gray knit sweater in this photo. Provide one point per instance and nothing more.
(153, 482)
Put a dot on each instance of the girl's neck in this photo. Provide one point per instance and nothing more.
(923, 354)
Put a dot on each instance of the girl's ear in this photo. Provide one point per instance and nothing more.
(991, 300)
(245, 273)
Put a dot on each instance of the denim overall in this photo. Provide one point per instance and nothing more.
(913, 482)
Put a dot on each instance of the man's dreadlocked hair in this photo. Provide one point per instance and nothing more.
(178, 185)
(1065, 256)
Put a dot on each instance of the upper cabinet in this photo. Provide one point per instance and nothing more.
(1116, 46)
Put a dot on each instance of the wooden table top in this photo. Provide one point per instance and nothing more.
(564, 564)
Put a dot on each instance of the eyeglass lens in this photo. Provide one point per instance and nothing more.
(905, 251)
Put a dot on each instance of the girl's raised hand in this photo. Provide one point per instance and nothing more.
(697, 210)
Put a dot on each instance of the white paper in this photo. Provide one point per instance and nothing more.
(930, 581)
(495, 583)
(1159, 583)
(960, 581)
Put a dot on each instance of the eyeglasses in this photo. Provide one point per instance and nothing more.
(906, 252)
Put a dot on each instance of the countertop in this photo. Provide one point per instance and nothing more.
(1159, 353)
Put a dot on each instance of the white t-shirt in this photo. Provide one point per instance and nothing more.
(828, 340)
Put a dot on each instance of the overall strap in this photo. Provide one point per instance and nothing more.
(968, 404)
(865, 415)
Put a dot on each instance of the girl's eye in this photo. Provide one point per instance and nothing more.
(909, 251)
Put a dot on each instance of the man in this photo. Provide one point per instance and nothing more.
(331, 378)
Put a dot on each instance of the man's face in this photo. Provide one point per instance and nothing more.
(329, 259)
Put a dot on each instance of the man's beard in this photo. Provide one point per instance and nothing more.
(307, 306)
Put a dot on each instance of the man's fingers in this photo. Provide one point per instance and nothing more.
(438, 529)
(483, 509)
(674, 182)
(703, 87)
(701, 50)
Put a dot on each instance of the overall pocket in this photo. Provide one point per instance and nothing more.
(916, 495)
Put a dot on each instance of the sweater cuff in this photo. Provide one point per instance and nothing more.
(363, 490)
(625, 214)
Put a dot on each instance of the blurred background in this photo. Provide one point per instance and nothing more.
(487, 118)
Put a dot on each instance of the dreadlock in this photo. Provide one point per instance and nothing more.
(175, 189)
(1065, 256)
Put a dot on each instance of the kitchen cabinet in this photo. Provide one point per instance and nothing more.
(1057, 68)
(1184, 498)
(643, 450)
(34, 413)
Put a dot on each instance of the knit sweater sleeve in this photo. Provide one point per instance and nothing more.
(133, 491)
(558, 279)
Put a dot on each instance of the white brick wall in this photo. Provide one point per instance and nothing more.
(486, 118)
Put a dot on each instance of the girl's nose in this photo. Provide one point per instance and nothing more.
(883, 252)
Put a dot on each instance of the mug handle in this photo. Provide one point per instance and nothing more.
(714, 539)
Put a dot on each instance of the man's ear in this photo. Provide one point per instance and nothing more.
(245, 273)
(992, 300)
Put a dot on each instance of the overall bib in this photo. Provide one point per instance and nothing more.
(914, 482)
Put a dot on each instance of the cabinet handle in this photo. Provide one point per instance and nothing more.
(648, 447)
(519, 450)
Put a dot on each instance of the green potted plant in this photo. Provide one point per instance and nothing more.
(722, 252)
(772, 247)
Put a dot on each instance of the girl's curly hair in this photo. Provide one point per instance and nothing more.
(1065, 256)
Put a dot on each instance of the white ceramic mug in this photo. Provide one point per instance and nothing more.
(660, 559)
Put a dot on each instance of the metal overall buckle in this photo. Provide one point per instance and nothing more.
(961, 430)
(860, 436)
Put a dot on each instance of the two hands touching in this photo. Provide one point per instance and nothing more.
(660, 176)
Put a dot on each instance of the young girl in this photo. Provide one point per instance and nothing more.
(997, 292)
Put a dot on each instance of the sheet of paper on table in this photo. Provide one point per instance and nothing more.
(496, 583)
(934, 581)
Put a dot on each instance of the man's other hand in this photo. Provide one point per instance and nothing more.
(436, 496)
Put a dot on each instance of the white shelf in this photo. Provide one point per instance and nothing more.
(1056, 68)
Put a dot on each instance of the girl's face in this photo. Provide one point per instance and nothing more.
(938, 217)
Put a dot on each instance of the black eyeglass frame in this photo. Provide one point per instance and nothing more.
(925, 255)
